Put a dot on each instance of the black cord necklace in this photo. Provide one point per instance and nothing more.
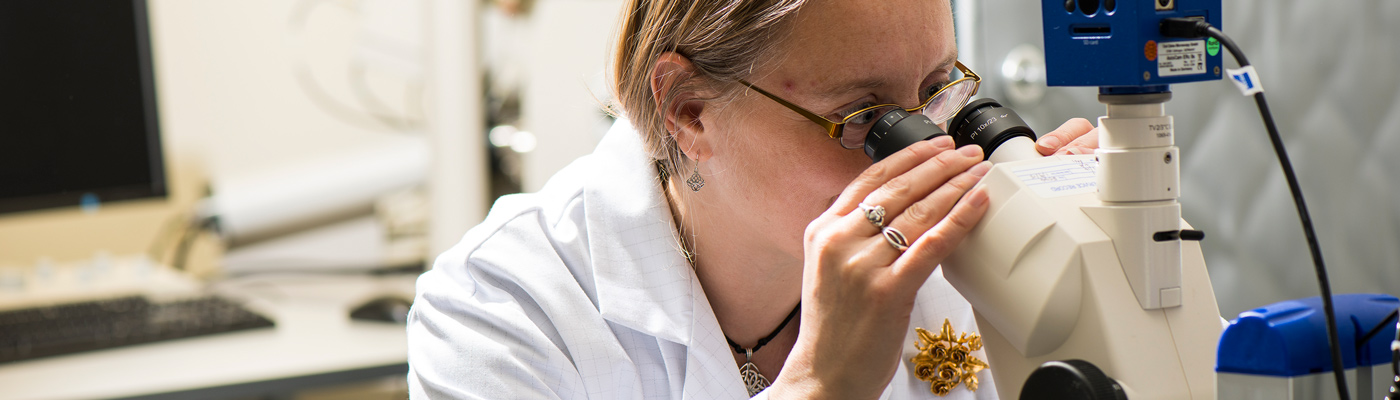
(754, 380)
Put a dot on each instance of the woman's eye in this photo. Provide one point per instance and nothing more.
(854, 115)
(933, 89)
(863, 117)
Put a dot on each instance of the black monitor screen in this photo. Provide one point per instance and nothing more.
(77, 104)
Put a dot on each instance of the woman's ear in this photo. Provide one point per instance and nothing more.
(680, 105)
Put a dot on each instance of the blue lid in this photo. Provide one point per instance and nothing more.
(1289, 338)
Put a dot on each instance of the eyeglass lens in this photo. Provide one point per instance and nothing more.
(939, 109)
(947, 102)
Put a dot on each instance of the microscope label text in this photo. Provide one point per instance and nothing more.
(1185, 57)
(1060, 177)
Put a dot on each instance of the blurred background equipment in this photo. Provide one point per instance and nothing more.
(84, 129)
(302, 216)
(291, 183)
(332, 186)
(1279, 351)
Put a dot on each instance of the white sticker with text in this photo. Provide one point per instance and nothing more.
(1185, 57)
(1060, 178)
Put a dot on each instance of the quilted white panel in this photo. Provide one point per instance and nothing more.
(1332, 75)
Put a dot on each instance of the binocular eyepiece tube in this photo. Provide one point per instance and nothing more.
(1001, 133)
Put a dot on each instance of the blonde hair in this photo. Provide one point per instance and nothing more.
(724, 41)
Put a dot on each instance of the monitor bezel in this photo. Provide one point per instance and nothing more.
(157, 187)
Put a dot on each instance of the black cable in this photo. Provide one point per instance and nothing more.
(1194, 28)
(1395, 351)
(1376, 330)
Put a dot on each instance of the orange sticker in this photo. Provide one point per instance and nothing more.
(1150, 50)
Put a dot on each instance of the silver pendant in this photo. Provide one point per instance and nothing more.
(753, 380)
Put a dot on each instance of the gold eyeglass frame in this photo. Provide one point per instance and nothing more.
(834, 129)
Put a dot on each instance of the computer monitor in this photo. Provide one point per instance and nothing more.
(78, 122)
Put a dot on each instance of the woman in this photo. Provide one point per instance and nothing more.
(727, 237)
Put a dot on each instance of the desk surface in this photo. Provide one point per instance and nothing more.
(314, 342)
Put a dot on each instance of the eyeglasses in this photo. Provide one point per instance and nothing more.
(939, 107)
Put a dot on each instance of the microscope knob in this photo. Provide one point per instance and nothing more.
(1071, 379)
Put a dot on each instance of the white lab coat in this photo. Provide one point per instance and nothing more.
(579, 292)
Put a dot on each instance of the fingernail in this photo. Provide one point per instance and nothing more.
(1050, 142)
(977, 198)
(943, 141)
(980, 170)
(971, 150)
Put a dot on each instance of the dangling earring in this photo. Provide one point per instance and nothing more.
(695, 181)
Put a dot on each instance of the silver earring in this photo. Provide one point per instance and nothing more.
(695, 181)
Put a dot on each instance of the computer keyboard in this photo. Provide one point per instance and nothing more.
(70, 328)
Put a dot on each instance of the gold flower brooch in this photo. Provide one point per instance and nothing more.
(946, 361)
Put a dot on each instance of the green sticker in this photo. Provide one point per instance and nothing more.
(1212, 47)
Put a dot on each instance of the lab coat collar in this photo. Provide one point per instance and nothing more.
(643, 281)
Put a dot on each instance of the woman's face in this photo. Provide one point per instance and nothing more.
(775, 169)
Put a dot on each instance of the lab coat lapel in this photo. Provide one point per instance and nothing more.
(643, 281)
(710, 372)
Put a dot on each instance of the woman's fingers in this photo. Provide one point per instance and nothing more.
(1084, 144)
(928, 211)
(895, 165)
(1066, 135)
(940, 185)
(904, 190)
(939, 241)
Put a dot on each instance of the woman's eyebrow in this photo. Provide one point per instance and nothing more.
(850, 86)
(947, 62)
(873, 82)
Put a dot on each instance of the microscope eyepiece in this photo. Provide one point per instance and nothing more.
(896, 130)
(984, 122)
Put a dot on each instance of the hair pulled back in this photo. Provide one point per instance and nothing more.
(723, 39)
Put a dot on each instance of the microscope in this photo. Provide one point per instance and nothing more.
(1085, 281)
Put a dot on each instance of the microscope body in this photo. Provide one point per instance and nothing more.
(1086, 257)
(1047, 283)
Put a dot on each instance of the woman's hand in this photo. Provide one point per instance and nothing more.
(1076, 136)
(857, 288)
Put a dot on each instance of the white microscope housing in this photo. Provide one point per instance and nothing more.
(1081, 257)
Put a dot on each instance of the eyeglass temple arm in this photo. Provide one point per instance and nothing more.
(967, 71)
(830, 126)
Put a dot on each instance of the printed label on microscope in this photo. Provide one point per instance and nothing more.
(1181, 58)
(1060, 178)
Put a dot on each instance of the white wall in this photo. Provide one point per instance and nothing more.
(228, 92)
(569, 46)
